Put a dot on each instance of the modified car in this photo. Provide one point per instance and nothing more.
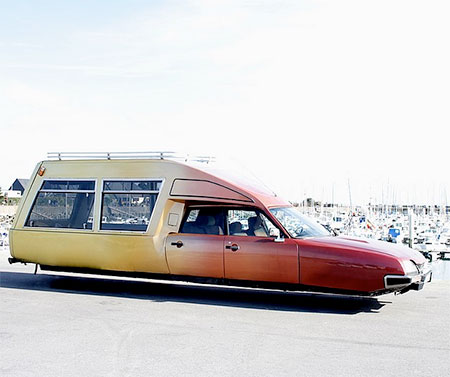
(158, 216)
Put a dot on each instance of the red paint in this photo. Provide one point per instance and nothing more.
(353, 264)
(261, 259)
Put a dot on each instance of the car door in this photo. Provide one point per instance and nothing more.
(197, 250)
(251, 254)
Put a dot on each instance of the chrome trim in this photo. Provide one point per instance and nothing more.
(395, 286)
(152, 155)
(426, 274)
(423, 277)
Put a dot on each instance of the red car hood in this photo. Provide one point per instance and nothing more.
(369, 245)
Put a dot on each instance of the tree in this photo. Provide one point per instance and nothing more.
(2, 196)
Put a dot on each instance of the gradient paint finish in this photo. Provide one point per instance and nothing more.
(199, 255)
(261, 259)
(185, 187)
(106, 250)
(119, 251)
(329, 262)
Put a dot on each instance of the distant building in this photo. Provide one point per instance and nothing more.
(13, 194)
(19, 185)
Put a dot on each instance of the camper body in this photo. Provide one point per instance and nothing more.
(166, 219)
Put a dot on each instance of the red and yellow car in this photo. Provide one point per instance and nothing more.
(152, 216)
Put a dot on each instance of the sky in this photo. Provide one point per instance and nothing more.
(334, 100)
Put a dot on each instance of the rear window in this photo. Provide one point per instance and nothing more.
(63, 204)
(128, 205)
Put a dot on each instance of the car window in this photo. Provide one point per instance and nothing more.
(298, 225)
(63, 204)
(204, 221)
(244, 222)
(128, 205)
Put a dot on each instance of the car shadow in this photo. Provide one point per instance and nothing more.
(192, 293)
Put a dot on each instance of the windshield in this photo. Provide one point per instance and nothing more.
(298, 225)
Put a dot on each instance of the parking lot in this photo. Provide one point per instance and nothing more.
(73, 325)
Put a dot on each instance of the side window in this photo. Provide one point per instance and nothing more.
(203, 221)
(248, 223)
(63, 204)
(128, 205)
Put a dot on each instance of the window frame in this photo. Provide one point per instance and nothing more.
(101, 196)
(58, 229)
(225, 208)
(189, 208)
(258, 211)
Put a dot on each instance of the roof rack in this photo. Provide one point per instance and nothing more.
(155, 155)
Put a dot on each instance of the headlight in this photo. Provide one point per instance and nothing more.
(409, 267)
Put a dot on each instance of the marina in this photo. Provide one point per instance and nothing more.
(423, 228)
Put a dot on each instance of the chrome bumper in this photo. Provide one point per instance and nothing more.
(404, 283)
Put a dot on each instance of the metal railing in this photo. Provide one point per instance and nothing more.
(153, 155)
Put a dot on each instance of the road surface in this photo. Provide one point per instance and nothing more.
(83, 325)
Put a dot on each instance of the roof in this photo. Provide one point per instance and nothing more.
(22, 181)
(193, 177)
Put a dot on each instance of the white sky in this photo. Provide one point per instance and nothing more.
(309, 95)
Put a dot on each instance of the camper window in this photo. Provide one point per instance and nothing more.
(63, 204)
(128, 205)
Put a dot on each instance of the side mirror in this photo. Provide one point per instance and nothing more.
(275, 232)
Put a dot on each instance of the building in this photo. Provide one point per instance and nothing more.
(19, 185)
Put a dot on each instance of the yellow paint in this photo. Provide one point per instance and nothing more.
(106, 250)
(117, 252)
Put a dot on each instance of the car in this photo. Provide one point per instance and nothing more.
(196, 223)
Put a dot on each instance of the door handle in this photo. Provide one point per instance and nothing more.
(177, 244)
(233, 247)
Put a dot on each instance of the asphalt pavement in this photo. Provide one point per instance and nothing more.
(56, 324)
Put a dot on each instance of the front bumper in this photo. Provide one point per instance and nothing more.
(404, 283)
